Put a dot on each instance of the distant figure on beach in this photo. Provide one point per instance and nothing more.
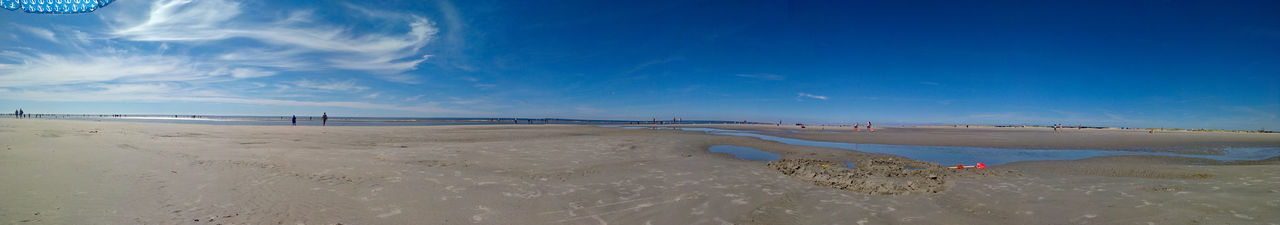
(857, 127)
(1055, 128)
(324, 119)
(869, 129)
(295, 120)
(22, 114)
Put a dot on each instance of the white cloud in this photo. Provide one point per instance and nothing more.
(212, 20)
(38, 32)
(345, 86)
(173, 93)
(243, 73)
(37, 69)
(374, 95)
(807, 95)
(763, 76)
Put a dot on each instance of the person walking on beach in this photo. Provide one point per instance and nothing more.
(857, 127)
(324, 119)
(21, 114)
(869, 129)
(295, 120)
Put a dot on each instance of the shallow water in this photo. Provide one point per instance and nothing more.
(952, 155)
(745, 152)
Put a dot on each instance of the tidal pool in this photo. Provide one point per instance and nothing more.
(952, 155)
(745, 152)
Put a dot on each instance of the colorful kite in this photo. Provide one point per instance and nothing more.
(54, 6)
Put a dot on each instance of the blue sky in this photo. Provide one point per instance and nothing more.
(1178, 64)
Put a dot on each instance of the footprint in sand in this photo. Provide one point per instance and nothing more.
(480, 217)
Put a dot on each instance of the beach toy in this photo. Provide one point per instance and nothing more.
(979, 166)
(54, 6)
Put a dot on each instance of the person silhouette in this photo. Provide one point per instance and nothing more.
(295, 120)
(324, 119)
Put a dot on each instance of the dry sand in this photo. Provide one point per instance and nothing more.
(84, 172)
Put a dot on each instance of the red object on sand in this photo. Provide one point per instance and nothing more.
(959, 166)
(981, 166)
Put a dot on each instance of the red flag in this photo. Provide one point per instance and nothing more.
(981, 166)
(959, 166)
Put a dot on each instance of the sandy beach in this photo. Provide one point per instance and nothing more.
(86, 172)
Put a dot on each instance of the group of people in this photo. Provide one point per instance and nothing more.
(18, 113)
(1057, 128)
(858, 127)
(324, 119)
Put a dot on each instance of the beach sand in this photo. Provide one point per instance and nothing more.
(85, 172)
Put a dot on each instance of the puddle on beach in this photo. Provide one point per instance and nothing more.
(952, 155)
(745, 153)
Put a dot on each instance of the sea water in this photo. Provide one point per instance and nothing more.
(952, 155)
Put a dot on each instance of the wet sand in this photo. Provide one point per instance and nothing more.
(1024, 138)
(84, 172)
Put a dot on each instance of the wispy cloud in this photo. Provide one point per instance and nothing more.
(650, 63)
(762, 76)
(807, 95)
(414, 98)
(930, 83)
(344, 86)
(296, 35)
(41, 33)
(168, 92)
(244, 72)
(34, 68)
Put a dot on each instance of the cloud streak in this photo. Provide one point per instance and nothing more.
(807, 95)
(41, 33)
(343, 86)
(296, 36)
(762, 76)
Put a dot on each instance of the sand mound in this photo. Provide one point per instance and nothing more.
(870, 177)
(879, 176)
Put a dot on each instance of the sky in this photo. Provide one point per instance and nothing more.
(1174, 64)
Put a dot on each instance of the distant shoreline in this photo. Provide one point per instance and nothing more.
(437, 121)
